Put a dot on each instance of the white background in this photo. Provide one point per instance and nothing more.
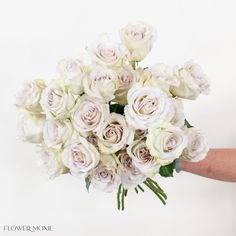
(34, 35)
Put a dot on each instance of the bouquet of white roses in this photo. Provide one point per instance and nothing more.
(110, 121)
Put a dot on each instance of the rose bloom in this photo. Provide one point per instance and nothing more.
(57, 132)
(31, 127)
(197, 146)
(126, 78)
(80, 157)
(193, 81)
(101, 83)
(138, 37)
(89, 115)
(142, 158)
(72, 72)
(28, 96)
(50, 163)
(105, 177)
(176, 115)
(146, 106)
(56, 100)
(130, 175)
(108, 53)
(114, 134)
(160, 76)
(166, 142)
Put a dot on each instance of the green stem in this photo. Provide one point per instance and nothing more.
(154, 191)
(123, 200)
(126, 192)
(118, 197)
(151, 181)
(136, 190)
(140, 188)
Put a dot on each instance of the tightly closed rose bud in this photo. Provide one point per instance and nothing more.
(90, 114)
(147, 106)
(114, 134)
(28, 97)
(57, 132)
(126, 78)
(101, 83)
(197, 146)
(50, 163)
(130, 175)
(80, 157)
(138, 37)
(56, 100)
(192, 80)
(166, 142)
(105, 177)
(31, 127)
(142, 158)
(72, 72)
(108, 53)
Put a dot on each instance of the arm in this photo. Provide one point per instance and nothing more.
(219, 164)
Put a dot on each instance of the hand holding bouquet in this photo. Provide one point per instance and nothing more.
(111, 122)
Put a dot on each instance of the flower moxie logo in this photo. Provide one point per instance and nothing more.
(29, 228)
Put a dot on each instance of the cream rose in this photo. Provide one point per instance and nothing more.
(50, 163)
(80, 157)
(57, 132)
(138, 37)
(130, 175)
(146, 106)
(56, 100)
(166, 142)
(176, 115)
(90, 114)
(108, 53)
(28, 96)
(126, 78)
(31, 127)
(101, 83)
(142, 158)
(193, 81)
(160, 76)
(72, 71)
(105, 177)
(197, 146)
(114, 134)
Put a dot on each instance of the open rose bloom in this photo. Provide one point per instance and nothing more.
(111, 122)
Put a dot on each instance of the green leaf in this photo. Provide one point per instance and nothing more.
(186, 123)
(167, 171)
(117, 108)
(87, 182)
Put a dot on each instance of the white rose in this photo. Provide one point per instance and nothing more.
(140, 134)
(193, 81)
(146, 106)
(197, 146)
(80, 157)
(50, 163)
(56, 100)
(57, 132)
(31, 127)
(89, 115)
(166, 142)
(138, 37)
(72, 71)
(160, 76)
(101, 83)
(176, 115)
(28, 96)
(142, 159)
(130, 175)
(104, 176)
(108, 53)
(114, 134)
(126, 78)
